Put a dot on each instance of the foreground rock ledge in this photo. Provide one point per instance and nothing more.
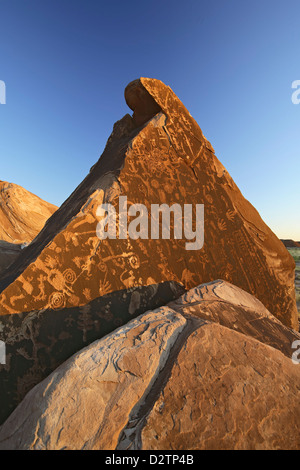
(172, 378)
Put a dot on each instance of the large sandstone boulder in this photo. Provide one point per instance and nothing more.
(195, 374)
(226, 392)
(157, 156)
(22, 214)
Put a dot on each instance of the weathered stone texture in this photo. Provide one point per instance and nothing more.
(38, 342)
(179, 377)
(165, 160)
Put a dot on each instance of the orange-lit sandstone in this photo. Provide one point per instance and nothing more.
(165, 160)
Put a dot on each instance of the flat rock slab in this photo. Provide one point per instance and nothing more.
(172, 378)
(226, 304)
(38, 342)
(227, 391)
(8, 253)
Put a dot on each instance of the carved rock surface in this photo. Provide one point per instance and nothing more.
(173, 378)
(22, 214)
(165, 160)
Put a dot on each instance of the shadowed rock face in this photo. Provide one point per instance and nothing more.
(165, 160)
(8, 253)
(194, 374)
(38, 342)
(22, 214)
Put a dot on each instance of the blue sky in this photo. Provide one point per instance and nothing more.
(232, 63)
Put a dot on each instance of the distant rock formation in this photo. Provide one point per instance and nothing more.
(291, 244)
(22, 214)
(211, 370)
(166, 159)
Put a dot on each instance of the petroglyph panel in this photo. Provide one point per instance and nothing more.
(165, 160)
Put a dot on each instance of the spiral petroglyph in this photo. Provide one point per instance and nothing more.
(69, 275)
(57, 300)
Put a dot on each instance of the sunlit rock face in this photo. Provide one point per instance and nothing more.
(157, 156)
(210, 370)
